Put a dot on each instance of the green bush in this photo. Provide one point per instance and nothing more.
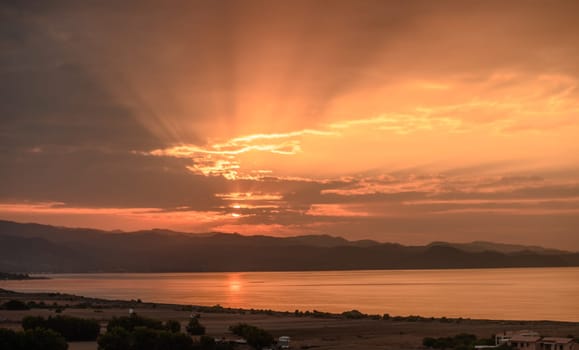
(256, 337)
(32, 339)
(71, 328)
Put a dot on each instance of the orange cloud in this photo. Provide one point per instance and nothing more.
(113, 218)
(337, 210)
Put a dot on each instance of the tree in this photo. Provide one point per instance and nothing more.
(9, 339)
(115, 339)
(33, 339)
(173, 326)
(173, 341)
(15, 305)
(207, 342)
(195, 327)
(131, 322)
(71, 328)
(43, 339)
(353, 314)
(142, 338)
(459, 342)
(255, 336)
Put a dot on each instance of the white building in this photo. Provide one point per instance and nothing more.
(530, 340)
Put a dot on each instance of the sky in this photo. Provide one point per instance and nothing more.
(399, 121)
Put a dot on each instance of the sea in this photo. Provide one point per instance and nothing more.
(505, 294)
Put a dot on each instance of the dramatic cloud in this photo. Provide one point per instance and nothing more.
(398, 121)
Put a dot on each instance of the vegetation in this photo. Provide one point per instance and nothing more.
(256, 337)
(209, 343)
(142, 338)
(15, 305)
(461, 341)
(173, 326)
(354, 314)
(129, 323)
(39, 305)
(195, 327)
(150, 339)
(71, 328)
(14, 276)
(33, 339)
(141, 333)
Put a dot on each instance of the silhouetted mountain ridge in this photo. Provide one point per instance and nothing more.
(44, 248)
(481, 246)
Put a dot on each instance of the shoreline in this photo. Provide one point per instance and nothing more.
(323, 331)
(103, 303)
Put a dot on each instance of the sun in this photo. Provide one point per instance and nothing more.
(234, 286)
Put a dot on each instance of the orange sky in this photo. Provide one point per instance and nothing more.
(398, 121)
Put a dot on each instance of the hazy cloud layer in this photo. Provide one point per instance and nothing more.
(402, 121)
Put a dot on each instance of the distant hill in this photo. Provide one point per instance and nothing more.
(43, 248)
(481, 246)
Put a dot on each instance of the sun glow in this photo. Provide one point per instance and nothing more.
(367, 119)
(234, 283)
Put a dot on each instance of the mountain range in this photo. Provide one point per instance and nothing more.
(31, 248)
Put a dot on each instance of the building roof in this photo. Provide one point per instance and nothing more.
(525, 333)
(556, 340)
(525, 338)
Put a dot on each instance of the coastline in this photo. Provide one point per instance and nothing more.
(8, 276)
(450, 293)
(314, 329)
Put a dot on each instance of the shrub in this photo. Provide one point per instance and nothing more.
(152, 339)
(43, 339)
(129, 323)
(31, 322)
(254, 336)
(15, 305)
(71, 328)
(115, 339)
(207, 342)
(142, 338)
(9, 339)
(173, 326)
(195, 327)
(33, 339)
(353, 314)
(459, 341)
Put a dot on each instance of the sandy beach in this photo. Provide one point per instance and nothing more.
(327, 332)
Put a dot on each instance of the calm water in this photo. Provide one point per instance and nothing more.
(529, 294)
